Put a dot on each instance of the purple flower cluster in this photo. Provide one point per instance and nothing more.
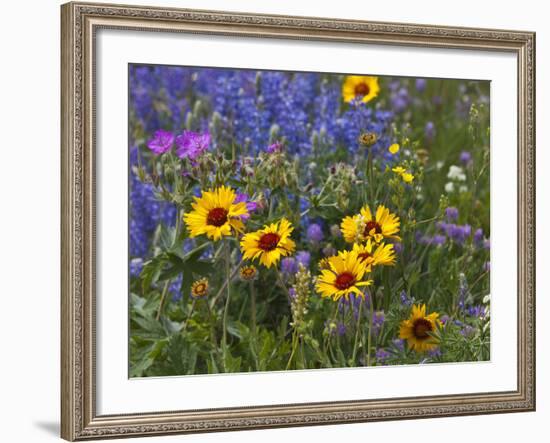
(314, 233)
(378, 319)
(465, 158)
(456, 233)
(382, 355)
(429, 131)
(289, 265)
(192, 145)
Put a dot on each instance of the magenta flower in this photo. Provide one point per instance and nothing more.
(274, 147)
(161, 142)
(192, 144)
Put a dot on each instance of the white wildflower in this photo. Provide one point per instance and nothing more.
(449, 187)
(456, 173)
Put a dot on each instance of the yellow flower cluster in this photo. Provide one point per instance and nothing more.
(345, 273)
(404, 174)
(216, 214)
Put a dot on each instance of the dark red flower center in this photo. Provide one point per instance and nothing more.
(362, 89)
(373, 224)
(217, 217)
(269, 241)
(422, 327)
(364, 255)
(344, 280)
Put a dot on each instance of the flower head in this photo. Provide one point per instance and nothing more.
(456, 173)
(465, 158)
(394, 149)
(192, 144)
(420, 84)
(314, 233)
(368, 138)
(403, 173)
(215, 213)
(274, 147)
(248, 273)
(303, 258)
(289, 265)
(363, 226)
(419, 328)
(381, 255)
(344, 276)
(429, 130)
(269, 244)
(361, 87)
(199, 288)
(451, 213)
(161, 142)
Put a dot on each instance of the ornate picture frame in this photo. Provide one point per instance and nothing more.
(80, 22)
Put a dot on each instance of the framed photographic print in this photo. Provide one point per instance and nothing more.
(282, 221)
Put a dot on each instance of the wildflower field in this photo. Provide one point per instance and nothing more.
(287, 220)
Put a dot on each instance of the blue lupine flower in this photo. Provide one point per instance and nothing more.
(434, 353)
(136, 265)
(476, 311)
(420, 84)
(451, 213)
(289, 266)
(399, 344)
(465, 158)
(429, 131)
(303, 257)
(315, 233)
(382, 355)
(405, 300)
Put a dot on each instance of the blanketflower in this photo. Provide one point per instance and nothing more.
(248, 273)
(161, 142)
(344, 277)
(363, 226)
(419, 328)
(199, 288)
(382, 254)
(269, 244)
(192, 144)
(215, 213)
(361, 87)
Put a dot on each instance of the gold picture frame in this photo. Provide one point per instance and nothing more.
(79, 23)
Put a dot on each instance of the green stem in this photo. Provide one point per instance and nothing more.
(282, 284)
(162, 298)
(253, 309)
(253, 329)
(226, 309)
(294, 346)
(357, 329)
(371, 319)
(371, 177)
(226, 283)
(213, 337)
(183, 329)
